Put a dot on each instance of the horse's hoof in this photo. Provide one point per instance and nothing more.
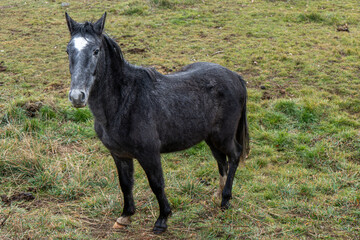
(122, 222)
(119, 226)
(159, 230)
(160, 226)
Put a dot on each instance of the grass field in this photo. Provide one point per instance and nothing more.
(302, 178)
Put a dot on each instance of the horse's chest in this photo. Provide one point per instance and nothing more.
(111, 141)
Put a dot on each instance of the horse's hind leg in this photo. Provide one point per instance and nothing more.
(152, 166)
(220, 157)
(125, 168)
(234, 159)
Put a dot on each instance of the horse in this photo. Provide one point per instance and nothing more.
(140, 113)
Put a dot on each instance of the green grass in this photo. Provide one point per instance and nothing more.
(301, 179)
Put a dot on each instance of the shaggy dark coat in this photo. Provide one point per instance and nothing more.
(140, 113)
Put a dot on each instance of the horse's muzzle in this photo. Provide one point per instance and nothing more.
(77, 98)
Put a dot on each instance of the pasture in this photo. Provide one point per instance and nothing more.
(300, 59)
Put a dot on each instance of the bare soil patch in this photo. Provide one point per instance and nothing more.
(20, 196)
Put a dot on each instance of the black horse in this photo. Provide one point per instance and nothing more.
(140, 113)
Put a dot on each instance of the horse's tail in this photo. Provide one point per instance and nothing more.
(242, 135)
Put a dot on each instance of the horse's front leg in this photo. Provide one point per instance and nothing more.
(152, 166)
(125, 168)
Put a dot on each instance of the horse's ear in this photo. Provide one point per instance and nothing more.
(99, 25)
(71, 23)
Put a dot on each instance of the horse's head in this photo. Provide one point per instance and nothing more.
(84, 50)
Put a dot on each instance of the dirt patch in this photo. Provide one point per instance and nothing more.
(32, 108)
(136, 50)
(164, 70)
(21, 196)
(275, 91)
(343, 28)
(266, 95)
(2, 66)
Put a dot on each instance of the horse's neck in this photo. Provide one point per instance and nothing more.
(113, 94)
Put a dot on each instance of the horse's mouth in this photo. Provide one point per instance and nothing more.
(79, 105)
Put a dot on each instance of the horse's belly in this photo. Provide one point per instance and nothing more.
(177, 146)
(180, 140)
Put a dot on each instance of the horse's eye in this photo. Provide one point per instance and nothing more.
(96, 52)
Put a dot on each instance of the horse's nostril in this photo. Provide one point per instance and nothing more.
(77, 97)
(82, 96)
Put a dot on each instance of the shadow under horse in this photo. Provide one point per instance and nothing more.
(140, 113)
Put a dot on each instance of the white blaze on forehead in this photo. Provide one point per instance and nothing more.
(80, 43)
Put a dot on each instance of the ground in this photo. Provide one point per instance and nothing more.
(301, 63)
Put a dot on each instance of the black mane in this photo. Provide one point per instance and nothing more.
(84, 28)
(118, 56)
(113, 47)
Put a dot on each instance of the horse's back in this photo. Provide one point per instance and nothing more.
(195, 102)
(206, 76)
(200, 69)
